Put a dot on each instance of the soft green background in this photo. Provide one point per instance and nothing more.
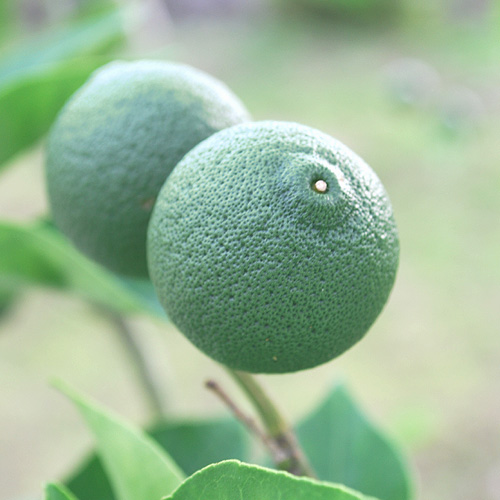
(429, 370)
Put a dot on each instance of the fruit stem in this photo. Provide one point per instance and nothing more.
(246, 420)
(139, 363)
(291, 458)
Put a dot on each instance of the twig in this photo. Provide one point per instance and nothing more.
(247, 421)
(279, 439)
(139, 362)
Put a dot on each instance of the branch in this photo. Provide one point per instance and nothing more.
(279, 438)
(139, 362)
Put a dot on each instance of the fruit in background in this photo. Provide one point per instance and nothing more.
(114, 144)
(272, 247)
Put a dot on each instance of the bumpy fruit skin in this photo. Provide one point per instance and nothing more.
(114, 144)
(255, 264)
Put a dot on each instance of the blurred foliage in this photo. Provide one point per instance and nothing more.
(28, 18)
(371, 11)
(38, 255)
(376, 10)
(31, 103)
(38, 76)
(38, 73)
(7, 298)
(84, 38)
(341, 444)
(406, 14)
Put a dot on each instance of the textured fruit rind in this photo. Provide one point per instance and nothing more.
(114, 144)
(258, 269)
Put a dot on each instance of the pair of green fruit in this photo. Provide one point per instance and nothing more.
(271, 245)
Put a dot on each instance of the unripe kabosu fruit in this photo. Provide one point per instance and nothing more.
(114, 144)
(272, 247)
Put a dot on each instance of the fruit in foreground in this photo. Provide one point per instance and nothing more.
(114, 144)
(272, 247)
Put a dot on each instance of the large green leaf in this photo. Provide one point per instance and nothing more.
(137, 467)
(54, 491)
(37, 254)
(232, 480)
(344, 446)
(38, 78)
(193, 445)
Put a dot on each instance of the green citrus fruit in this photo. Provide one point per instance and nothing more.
(272, 247)
(114, 144)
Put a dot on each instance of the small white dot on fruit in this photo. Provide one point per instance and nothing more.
(320, 186)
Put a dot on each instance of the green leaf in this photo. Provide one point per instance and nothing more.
(89, 37)
(54, 491)
(232, 480)
(89, 481)
(193, 445)
(38, 78)
(344, 447)
(37, 254)
(138, 468)
(30, 105)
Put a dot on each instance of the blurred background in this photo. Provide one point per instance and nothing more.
(412, 86)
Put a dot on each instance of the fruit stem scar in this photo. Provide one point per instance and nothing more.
(320, 186)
